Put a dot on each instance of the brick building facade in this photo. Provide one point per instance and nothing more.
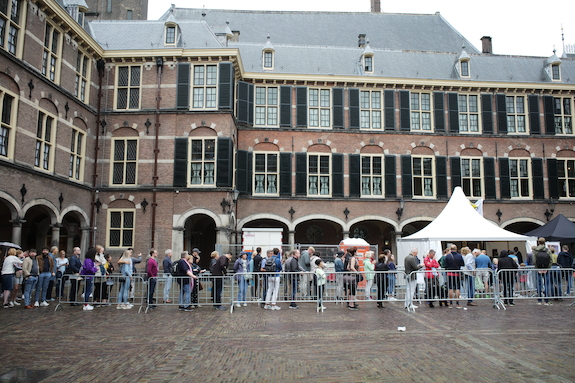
(138, 134)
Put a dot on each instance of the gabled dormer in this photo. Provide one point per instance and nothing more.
(463, 65)
(367, 62)
(171, 31)
(553, 67)
(76, 9)
(268, 55)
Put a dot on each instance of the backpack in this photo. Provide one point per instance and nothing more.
(175, 269)
(542, 260)
(288, 265)
(270, 265)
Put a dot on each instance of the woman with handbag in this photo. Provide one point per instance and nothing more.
(100, 287)
(125, 263)
(241, 267)
(351, 279)
(369, 267)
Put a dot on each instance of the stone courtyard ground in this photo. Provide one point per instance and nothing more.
(525, 343)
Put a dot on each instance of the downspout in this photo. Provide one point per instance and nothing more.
(159, 68)
(100, 65)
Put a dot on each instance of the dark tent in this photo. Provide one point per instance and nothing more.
(558, 229)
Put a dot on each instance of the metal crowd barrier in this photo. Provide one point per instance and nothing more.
(105, 290)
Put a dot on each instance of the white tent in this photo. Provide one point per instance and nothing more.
(458, 222)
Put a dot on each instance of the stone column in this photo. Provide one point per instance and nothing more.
(345, 234)
(17, 230)
(56, 234)
(85, 240)
(177, 242)
(291, 239)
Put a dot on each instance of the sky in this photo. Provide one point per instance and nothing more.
(517, 27)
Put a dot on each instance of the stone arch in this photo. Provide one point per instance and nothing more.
(415, 219)
(371, 218)
(78, 211)
(9, 83)
(80, 123)
(180, 221)
(274, 217)
(319, 217)
(519, 220)
(125, 132)
(49, 106)
(12, 204)
(203, 131)
(51, 208)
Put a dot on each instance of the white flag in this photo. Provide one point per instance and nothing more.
(479, 206)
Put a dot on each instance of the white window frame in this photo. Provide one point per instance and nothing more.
(13, 21)
(267, 175)
(371, 109)
(422, 178)
(268, 58)
(319, 108)
(369, 176)
(83, 72)
(205, 86)
(51, 53)
(45, 141)
(471, 176)
(368, 62)
(420, 111)
(319, 179)
(566, 177)
(7, 123)
(522, 179)
(132, 86)
(207, 162)
(556, 72)
(467, 115)
(123, 228)
(128, 160)
(464, 68)
(563, 115)
(167, 33)
(77, 150)
(266, 106)
(516, 107)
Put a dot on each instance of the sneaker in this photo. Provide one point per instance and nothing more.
(29, 307)
(36, 304)
(221, 308)
(188, 309)
(129, 305)
(276, 308)
(88, 307)
(471, 304)
(44, 304)
(293, 307)
(511, 304)
(52, 299)
(539, 303)
(7, 306)
(14, 303)
(245, 305)
(547, 304)
(323, 307)
(353, 307)
(392, 298)
(167, 301)
(457, 306)
(120, 307)
(11, 304)
(267, 307)
(181, 308)
(414, 307)
(238, 305)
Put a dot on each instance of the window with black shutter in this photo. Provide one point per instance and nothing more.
(501, 114)
(406, 181)
(337, 108)
(301, 174)
(285, 106)
(337, 175)
(226, 86)
(354, 175)
(404, 110)
(181, 162)
(285, 174)
(486, 113)
(301, 106)
(389, 105)
(489, 178)
(538, 185)
(441, 176)
(453, 112)
(549, 114)
(455, 164)
(354, 108)
(245, 102)
(243, 171)
(224, 172)
(534, 118)
(390, 177)
(439, 111)
(183, 86)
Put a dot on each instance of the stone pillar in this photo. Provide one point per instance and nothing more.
(291, 239)
(177, 242)
(223, 236)
(345, 234)
(17, 230)
(56, 234)
(85, 240)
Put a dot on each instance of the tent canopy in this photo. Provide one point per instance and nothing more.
(460, 222)
(558, 229)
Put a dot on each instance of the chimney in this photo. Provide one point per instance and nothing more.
(486, 45)
(361, 40)
(375, 6)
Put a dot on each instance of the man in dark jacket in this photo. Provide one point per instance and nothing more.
(219, 270)
(411, 264)
(542, 260)
(507, 266)
(453, 263)
(74, 267)
(565, 260)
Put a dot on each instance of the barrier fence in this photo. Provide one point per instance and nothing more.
(454, 288)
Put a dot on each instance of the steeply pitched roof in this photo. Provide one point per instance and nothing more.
(417, 32)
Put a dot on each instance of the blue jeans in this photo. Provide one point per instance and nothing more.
(568, 276)
(124, 290)
(543, 280)
(294, 282)
(43, 282)
(243, 286)
(88, 284)
(390, 283)
(470, 287)
(185, 293)
(167, 286)
(30, 287)
(556, 288)
(151, 290)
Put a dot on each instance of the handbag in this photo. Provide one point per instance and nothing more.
(200, 286)
(479, 284)
(358, 277)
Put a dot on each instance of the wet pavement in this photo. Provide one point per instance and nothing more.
(525, 343)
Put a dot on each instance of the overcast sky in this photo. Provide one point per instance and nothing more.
(518, 27)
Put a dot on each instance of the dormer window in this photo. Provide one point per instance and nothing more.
(366, 57)
(464, 68)
(555, 72)
(553, 67)
(170, 35)
(268, 59)
(368, 64)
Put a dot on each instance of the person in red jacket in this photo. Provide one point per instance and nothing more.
(152, 273)
(431, 266)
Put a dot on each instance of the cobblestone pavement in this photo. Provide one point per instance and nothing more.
(526, 343)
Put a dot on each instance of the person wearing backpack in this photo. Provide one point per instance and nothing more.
(565, 260)
(542, 259)
(219, 270)
(292, 266)
(272, 266)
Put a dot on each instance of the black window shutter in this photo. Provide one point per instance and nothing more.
(389, 105)
(549, 115)
(489, 177)
(337, 94)
(552, 174)
(224, 163)
(453, 112)
(404, 112)
(245, 102)
(441, 175)
(301, 106)
(301, 174)
(181, 162)
(226, 86)
(183, 87)
(354, 175)
(534, 120)
(486, 113)
(285, 174)
(285, 106)
(390, 177)
(406, 180)
(501, 114)
(455, 164)
(354, 108)
(504, 181)
(538, 185)
(439, 109)
(337, 174)
(243, 171)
